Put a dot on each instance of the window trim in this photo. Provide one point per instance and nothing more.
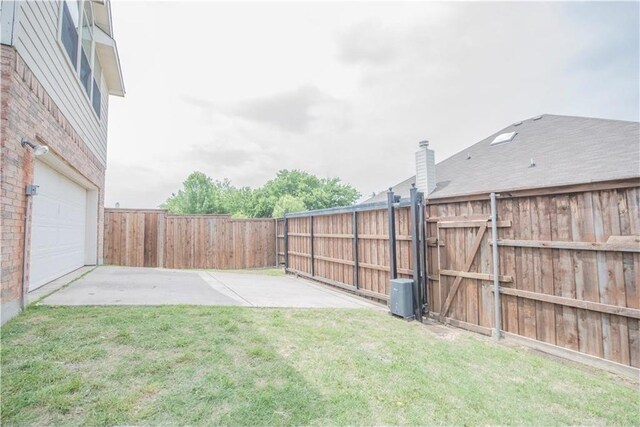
(83, 13)
(75, 68)
(94, 81)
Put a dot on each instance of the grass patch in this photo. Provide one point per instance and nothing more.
(243, 366)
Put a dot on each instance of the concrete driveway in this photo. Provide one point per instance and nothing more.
(153, 286)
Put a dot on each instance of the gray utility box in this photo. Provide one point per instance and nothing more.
(401, 298)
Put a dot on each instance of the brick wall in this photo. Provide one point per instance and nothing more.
(27, 111)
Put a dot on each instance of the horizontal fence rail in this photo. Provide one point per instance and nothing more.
(569, 267)
(350, 247)
(567, 273)
(153, 238)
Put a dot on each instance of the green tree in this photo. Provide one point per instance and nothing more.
(331, 193)
(288, 204)
(315, 193)
(198, 195)
(237, 201)
(201, 195)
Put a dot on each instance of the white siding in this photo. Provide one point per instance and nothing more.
(7, 10)
(36, 40)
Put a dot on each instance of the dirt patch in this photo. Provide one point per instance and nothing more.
(443, 332)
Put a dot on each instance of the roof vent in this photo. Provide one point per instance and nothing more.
(503, 138)
(537, 117)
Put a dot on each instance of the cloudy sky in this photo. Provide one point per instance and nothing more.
(240, 90)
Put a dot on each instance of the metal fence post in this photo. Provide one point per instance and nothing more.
(355, 249)
(392, 235)
(415, 253)
(311, 234)
(496, 272)
(286, 243)
(424, 276)
(275, 222)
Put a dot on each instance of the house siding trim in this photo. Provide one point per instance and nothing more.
(36, 37)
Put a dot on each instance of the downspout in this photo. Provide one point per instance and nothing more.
(496, 272)
(29, 191)
(26, 238)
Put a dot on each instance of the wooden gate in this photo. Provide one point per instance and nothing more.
(465, 269)
(569, 265)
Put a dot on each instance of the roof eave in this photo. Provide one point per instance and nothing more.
(107, 51)
(524, 191)
(102, 15)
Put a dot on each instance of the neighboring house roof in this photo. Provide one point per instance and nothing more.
(566, 150)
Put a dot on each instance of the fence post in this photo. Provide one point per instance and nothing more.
(415, 253)
(355, 249)
(496, 272)
(392, 235)
(286, 243)
(313, 273)
(275, 223)
(424, 277)
(161, 237)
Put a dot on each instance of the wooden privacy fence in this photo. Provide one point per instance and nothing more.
(350, 247)
(153, 238)
(568, 264)
(569, 267)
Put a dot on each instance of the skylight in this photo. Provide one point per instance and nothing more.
(504, 137)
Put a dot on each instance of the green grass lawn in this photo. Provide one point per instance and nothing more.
(244, 366)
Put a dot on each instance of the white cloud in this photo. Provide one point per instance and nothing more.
(240, 90)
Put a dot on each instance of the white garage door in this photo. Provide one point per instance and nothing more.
(58, 226)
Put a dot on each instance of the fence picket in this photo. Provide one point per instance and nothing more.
(152, 238)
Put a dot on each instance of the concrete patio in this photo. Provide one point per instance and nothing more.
(109, 285)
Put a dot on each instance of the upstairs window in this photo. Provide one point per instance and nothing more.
(69, 31)
(86, 53)
(96, 96)
(76, 36)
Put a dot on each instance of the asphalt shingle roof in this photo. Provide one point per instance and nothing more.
(566, 150)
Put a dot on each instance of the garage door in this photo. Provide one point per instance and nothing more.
(58, 226)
